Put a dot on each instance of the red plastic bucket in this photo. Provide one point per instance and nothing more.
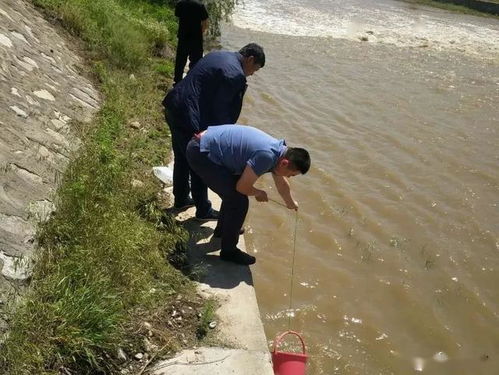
(289, 363)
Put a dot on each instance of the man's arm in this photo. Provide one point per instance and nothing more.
(284, 190)
(245, 185)
(192, 117)
(237, 102)
(227, 101)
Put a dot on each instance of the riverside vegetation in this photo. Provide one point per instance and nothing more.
(111, 268)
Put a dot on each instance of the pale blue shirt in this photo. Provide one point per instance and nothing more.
(236, 146)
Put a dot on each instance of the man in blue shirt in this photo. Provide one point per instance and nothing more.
(210, 94)
(229, 159)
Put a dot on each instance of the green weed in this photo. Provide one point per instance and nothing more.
(207, 317)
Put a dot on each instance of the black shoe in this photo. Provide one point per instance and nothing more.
(189, 202)
(211, 215)
(218, 233)
(239, 257)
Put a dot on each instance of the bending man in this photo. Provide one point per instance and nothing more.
(230, 159)
(210, 94)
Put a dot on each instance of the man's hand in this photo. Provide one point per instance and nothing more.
(261, 196)
(292, 205)
(284, 191)
(204, 25)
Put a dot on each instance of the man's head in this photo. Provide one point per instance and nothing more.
(295, 161)
(253, 58)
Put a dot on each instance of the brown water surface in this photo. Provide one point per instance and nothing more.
(397, 240)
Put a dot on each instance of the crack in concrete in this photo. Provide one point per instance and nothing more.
(25, 173)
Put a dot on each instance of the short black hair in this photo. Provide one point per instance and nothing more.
(256, 51)
(299, 159)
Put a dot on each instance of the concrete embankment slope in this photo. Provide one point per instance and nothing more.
(239, 324)
(41, 92)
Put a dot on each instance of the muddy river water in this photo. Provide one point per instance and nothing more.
(397, 238)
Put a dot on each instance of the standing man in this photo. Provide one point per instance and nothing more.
(192, 23)
(229, 159)
(211, 94)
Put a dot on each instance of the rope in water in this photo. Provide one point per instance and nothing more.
(290, 313)
(279, 203)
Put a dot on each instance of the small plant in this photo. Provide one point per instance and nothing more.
(207, 318)
(165, 69)
(219, 11)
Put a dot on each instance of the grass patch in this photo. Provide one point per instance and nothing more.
(102, 268)
(166, 68)
(123, 32)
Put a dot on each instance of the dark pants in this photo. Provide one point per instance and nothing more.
(182, 171)
(219, 179)
(192, 48)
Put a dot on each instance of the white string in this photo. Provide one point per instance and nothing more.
(290, 314)
(292, 274)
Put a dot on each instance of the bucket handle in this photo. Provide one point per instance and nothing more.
(279, 338)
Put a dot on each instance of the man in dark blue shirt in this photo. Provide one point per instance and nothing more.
(192, 23)
(229, 159)
(210, 94)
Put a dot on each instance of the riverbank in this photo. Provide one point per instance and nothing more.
(239, 343)
(110, 263)
(43, 89)
(481, 8)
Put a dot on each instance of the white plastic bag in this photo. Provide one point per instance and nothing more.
(165, 174)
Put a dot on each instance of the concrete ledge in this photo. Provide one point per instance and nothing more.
(213, 361)
(239, 322)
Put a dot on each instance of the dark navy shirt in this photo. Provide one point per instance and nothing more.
(190, 13)
(210, 94)
(236, 146)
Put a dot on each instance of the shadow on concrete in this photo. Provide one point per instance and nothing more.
(203, 253)
(175, 211)
(238, 315)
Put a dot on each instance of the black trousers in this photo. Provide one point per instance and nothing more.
(219, 179)
(192, 48)
(182, 171)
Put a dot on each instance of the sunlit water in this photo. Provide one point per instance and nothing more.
(397, 241)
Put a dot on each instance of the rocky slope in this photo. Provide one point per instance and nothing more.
(41, 93)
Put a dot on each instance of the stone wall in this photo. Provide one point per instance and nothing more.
(41, 92)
